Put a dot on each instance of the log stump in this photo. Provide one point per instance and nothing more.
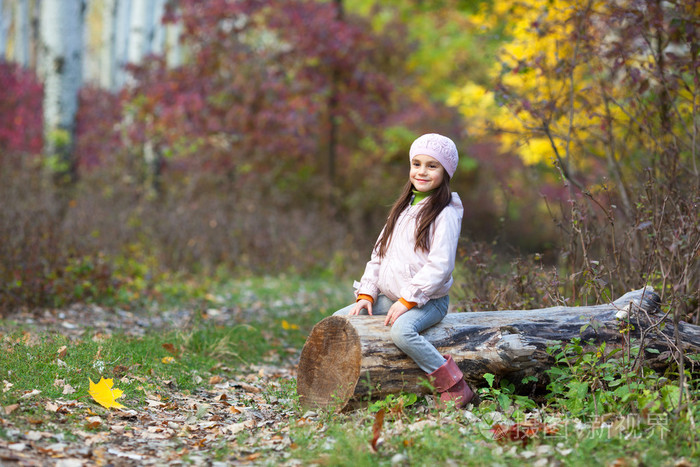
(353, 358)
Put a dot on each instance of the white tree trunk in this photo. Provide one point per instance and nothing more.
(4, 28)
(173, 48)
(140, 30)
(108, 49)
(158, 39)
(98, 56)
(22, 33)
(121, 42)
(60, 66)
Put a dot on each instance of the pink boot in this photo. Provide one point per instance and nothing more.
(449, 382)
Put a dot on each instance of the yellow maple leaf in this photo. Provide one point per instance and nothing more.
(104, 395)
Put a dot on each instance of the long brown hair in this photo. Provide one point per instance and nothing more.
(427, 215)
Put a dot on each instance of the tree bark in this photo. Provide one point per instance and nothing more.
(140, 30)
(22, 33)
(353, 358)
(107, 50)
(61, 68)
(122, 23)
(4, 28)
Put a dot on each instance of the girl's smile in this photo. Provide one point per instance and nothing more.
(426, 173)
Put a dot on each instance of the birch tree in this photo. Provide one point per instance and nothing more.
(122, 21)
(108, 48)
(4, 27)
(140, 30)
(99, 43)
(22, 33)
(159, 34)
(173, 49)
(60, 67)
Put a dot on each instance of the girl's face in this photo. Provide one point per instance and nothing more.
(426, 173)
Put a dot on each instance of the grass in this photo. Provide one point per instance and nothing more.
(275, 316)
(268, 325)
(461, 441)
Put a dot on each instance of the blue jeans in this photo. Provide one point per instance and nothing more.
(405, 332)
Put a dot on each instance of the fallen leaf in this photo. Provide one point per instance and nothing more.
(55, 448)
(235, 428)
(167, 360)
(51, 407)
(29, 394)
(119, 429)
(522, 432)
(377, 429)
(104, 395)
(128, 414)
(171, 349)
(128, 455)
(246, 387)
(93, 438)
(216, 379)
(421, 425)
(68, 389)
(36, 435)
(11, 408)
(7, 386)
(71, 462)
(62, 352)
(120, 370)
(93, 423)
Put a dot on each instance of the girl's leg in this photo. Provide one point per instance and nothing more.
(381, 307)
(405, 333)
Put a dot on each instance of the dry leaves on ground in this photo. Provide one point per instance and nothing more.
(231, 413)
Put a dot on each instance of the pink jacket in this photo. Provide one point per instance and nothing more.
(415, 276)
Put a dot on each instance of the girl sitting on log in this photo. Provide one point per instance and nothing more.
(409, 274)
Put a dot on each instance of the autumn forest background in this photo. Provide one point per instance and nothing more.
(219, 138)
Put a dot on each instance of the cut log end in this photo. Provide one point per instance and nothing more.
(329, 365)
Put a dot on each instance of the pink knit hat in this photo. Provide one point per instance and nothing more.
(440, 147)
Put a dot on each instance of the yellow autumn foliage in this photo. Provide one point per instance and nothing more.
(564, 91)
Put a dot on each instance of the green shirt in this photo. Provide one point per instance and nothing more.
(419, 196)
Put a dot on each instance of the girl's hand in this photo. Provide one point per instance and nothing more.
(396, 310)
(360, 305)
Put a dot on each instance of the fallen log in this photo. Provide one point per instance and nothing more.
(353, 358)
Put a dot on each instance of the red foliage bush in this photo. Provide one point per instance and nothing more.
(21, 96)
(98, 140)
(256, 98)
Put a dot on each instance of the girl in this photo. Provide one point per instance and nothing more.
(410, 271)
